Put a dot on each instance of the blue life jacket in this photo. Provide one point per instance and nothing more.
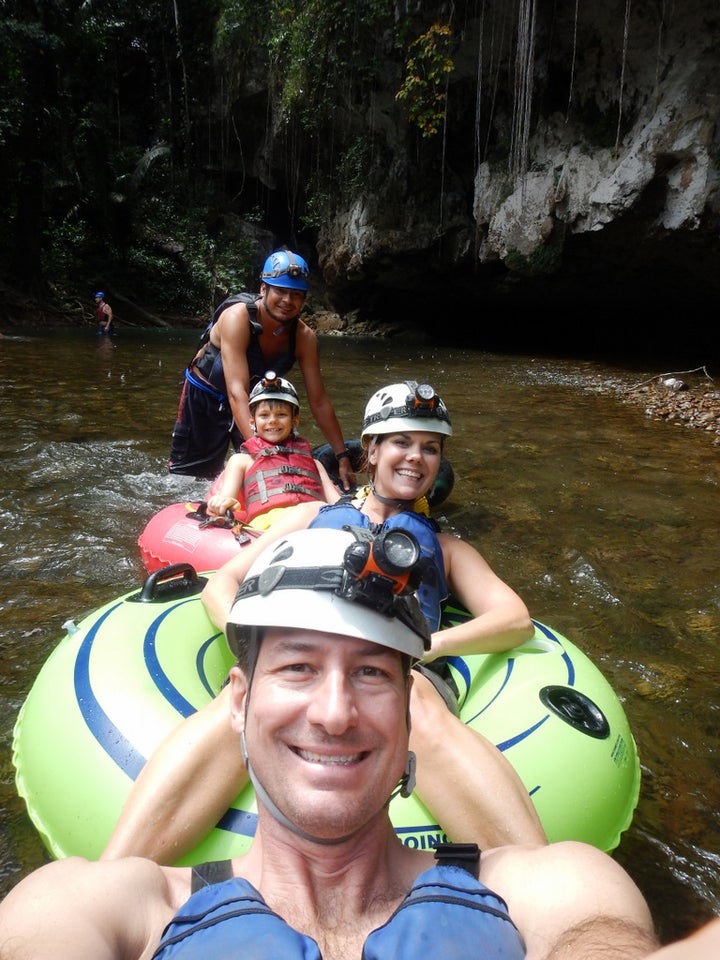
(447, 914)
(432, 592)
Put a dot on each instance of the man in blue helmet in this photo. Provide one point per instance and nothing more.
(104, 315)
(247, 336)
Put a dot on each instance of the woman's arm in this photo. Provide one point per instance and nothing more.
(464, 780)
(500, 621)
(184, 788)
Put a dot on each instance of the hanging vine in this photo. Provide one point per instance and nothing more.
(524, 74)
(424, 89)
(626, 33)
(572, 65)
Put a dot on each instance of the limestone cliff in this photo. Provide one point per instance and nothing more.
(572, 198)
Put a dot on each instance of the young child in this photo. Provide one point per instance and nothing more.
(276, 468)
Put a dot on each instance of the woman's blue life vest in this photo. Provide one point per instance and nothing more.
(447, 914)
(281, 475)
(432, 592)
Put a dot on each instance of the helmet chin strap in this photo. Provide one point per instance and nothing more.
(407, 781)
(390, 501)
(405, 788)
(283, 324)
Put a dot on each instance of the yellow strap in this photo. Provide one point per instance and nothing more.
(421, 505)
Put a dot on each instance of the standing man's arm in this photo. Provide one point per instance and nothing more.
(107, 310)
(234, 343)
(321, 407)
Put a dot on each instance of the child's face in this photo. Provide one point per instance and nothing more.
(274, 420)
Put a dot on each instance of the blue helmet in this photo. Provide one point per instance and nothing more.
(283, 268)
(99, 294)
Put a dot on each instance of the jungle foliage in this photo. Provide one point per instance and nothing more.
(164, 145)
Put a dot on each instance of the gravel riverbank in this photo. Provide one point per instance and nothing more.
(689, 398)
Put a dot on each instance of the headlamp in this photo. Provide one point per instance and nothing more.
(294, 270)
(270, 380)
(387, 563)
(423, 401)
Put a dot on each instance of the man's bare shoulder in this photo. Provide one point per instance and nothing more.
(570, 896)
(305, 338)
(106, 909)
(233, 323)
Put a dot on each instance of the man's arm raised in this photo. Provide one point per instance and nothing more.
(569, 899)
(74, 908)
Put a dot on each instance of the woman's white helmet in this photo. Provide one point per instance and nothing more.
(273, 387)
(405, 406)
(313, 579)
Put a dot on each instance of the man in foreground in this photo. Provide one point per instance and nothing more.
(322, 717)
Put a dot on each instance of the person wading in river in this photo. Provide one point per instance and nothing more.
(244, 339)
(104, 315)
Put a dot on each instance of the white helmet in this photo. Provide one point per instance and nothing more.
(273, 387)
(339, 581)
(405, 406)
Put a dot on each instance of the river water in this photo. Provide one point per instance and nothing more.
(605, 522)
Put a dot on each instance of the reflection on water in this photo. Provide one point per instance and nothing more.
(605, 522)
